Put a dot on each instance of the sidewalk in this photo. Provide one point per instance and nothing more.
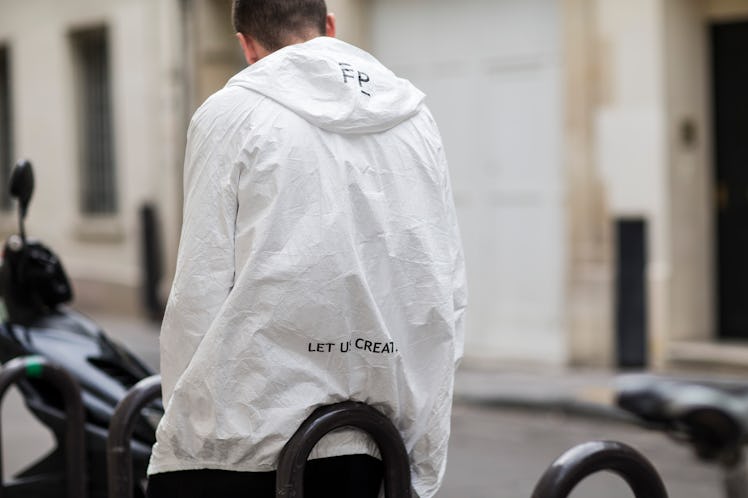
(575, 391)
(582, 392)
(588, 392)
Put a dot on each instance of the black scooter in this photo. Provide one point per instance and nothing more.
(34, 289)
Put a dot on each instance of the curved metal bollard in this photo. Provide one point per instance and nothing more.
(37, 367)
(290, 475)
(588, 458)
(119, 459)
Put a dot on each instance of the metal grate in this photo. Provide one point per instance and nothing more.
(6, 153)
(98, 174)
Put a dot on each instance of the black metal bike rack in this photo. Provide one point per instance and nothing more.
(119, 458)
(38, 368)
(290, 475)
(595, 456)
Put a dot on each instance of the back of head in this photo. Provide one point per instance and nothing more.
(277, 23)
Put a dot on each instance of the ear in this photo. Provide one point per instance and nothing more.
(252, 50)
(330, 25)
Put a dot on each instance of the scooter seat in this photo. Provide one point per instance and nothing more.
(713, 418)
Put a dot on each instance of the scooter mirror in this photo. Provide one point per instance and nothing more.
(22, 184)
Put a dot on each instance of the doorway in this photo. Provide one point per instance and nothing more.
(729, 45)
(631, 295)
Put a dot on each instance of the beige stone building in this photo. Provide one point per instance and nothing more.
(593, 147)
(652, 100)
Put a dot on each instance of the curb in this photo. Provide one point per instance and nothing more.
(563, 405)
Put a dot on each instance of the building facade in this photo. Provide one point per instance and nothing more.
(96, 103)
(593, 146)
(655, 266)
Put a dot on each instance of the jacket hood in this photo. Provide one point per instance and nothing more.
(333, 85)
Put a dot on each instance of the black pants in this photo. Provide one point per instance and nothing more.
(352, 476)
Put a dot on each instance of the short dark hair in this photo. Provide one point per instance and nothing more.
(273, 23)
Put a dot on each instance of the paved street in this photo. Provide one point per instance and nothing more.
(501, 453)
(494, 452)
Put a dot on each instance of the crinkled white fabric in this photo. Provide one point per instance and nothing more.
(319, 261)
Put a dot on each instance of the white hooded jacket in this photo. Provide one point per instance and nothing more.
(319, 262)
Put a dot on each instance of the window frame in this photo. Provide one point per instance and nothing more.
(98, 182)
(6, 126)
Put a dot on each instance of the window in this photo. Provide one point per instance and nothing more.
(6, 135)
(98, 186)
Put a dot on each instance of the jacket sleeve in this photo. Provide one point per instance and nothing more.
(459, 278)
(205, 262)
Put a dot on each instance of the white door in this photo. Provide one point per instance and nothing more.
(491, 72)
